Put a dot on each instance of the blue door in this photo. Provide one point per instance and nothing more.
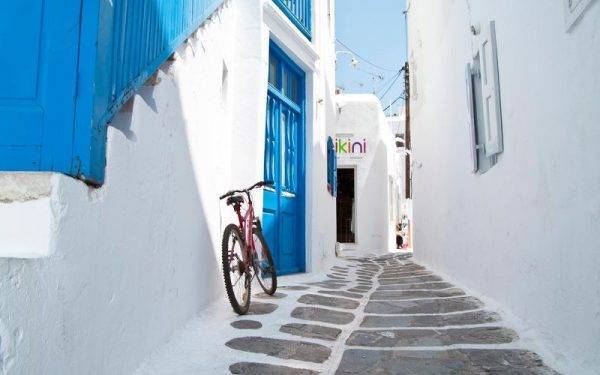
(283, 207)
(38, 59)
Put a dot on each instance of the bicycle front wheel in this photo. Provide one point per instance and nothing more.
(264, 267)
(237, 277)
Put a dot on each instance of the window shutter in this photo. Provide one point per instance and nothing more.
(492, 114)
(38, 61)
(470, 106)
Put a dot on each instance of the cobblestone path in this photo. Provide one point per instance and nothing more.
(382, 315)
(386, 315)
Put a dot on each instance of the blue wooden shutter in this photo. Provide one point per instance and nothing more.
(331, 167)
(38, 60)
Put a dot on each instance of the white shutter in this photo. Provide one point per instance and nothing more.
(472, 135)
(490, 88)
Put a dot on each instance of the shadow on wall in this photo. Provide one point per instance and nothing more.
(136, 258)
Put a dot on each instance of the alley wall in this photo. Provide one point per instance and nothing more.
(526, 233)
(130, 262)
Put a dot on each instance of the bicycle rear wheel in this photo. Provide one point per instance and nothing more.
(264, 267)
(237, 277)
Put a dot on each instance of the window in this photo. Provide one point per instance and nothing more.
(273, 69)
(574, 10)
(483, 99)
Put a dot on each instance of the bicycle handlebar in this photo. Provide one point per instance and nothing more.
(255, 186)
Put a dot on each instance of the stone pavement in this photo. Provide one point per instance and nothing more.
(381, 315)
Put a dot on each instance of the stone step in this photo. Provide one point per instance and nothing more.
(259, 308)
(338, 302)
(391, 275)
(285, 349)
(251, 368)
(342, 293)
(400, 321)
(431, 337)
(463, 361)
(419, 286)
(317, 314)
(414, 294)
(246, 324)
(435, 306)
(410, 280)
(312, 331)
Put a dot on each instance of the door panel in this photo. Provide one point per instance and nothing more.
(283, 212)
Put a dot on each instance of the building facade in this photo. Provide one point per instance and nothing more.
(368, 176)
(504, 126)
(98, 270)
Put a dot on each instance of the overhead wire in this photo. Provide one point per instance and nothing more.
(394, 102)
(390, 86)
(363, 58)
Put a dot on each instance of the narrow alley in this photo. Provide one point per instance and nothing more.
(390, 187)
(374, 315)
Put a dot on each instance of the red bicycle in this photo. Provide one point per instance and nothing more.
(244, 249)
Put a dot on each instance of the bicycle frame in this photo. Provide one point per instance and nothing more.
(246, 223)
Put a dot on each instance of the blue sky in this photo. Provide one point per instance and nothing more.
(376, 31)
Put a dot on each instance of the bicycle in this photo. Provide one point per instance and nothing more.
(244, 248)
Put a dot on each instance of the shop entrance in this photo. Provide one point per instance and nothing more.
(346, 210)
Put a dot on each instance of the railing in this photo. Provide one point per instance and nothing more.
(299, 12)
(124, 42)
(145, 34)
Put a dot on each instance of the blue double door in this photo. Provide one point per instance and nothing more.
(283, 205)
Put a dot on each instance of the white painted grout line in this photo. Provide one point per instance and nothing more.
(435, 328)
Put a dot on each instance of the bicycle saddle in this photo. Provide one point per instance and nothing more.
(235, 199)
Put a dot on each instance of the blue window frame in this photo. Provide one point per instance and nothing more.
(71, 68)
(299, 12)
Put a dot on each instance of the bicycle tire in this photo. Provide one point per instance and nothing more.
(243, 307)
(271, 265)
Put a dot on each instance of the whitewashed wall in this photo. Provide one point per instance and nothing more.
(362, 117)
(526, 233)
(134, 260)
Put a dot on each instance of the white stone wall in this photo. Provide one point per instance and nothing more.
(130, 262)
(362, 117)
(527, 233)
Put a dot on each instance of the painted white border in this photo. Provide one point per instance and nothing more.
(289, 38)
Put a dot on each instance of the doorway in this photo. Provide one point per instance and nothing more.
(346, 208)
(283, 205)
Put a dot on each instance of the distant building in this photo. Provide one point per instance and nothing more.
(369, 185)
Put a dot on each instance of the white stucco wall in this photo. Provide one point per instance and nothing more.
(526, 233)
(361, 117)
(135, 259)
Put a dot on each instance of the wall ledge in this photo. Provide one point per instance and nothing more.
(26, 215)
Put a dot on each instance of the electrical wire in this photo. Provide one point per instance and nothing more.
(364, 59)
(390, 87)
(385, 84)
(394, 102)
(374, 75)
